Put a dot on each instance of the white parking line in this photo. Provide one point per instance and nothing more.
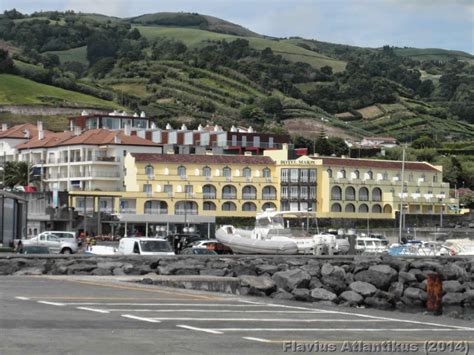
(203, 311)
(158, 304)
(52, 303)
(332, 329)
(375, 317)
(260, 340)
(22, 298)
(211, 331)
(140, 318)
(93, 310)
(264, 320)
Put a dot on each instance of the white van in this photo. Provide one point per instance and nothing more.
(144, 246)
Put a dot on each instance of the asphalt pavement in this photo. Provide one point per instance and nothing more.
(109, 315)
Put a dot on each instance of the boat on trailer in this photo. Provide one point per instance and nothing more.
(270, 236)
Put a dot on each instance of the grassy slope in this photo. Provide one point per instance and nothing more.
(196, 38)
(78, 54)
(433, 54)
(15, 90)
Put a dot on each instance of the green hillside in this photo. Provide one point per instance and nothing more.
(15, 90)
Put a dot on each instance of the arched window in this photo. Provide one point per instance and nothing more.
(247, 172)
(182, 172)
(356, 174)
(376, 209)
(350, 193)
(387, 209)
(336, 193)
(370, 175)
(329, 171)
(208, 192)
(229, 206)
(336, 207)
(385, 176)
(229, 192)
(149, 171)
(269, 193)
(363, 194)
(363, 208)
(249, 206)
(268, 205)
(341, 174)
(249, 192)
(185, 208)
(376, 194)
(227, 172)
(206, 171)
(156, 207)
(350, 208)
(209, 206)
(267, 173)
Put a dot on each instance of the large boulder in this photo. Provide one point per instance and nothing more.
(321, 294)
(406, 277)
(415, 294)
(363, 288)
(453, 298)
(282, 295)
(377, 302)
(453, 272)
(381, 276)
(452, 286)
(291, 279)
(302, 294)
(35, 270)
(259, 283)
(396, 290)
(351, 297)
(266, 269)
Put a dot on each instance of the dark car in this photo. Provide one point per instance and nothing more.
(33, 249)
(182, 241)
(198, 251)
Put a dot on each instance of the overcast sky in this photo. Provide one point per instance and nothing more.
(445, 24)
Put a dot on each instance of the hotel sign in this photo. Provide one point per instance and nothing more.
(297, 162)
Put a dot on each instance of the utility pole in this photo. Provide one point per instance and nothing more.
(401, 197)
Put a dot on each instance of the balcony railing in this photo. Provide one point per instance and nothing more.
(269, 196)
(229, 196)
(183, 211)
(156, 211)
(209, 195)
(128, 210)
(249, 196)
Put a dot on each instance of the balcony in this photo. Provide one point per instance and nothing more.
(183, 211)
(128, 210)
(209, 195)
(156, 211)
(229, 196)
(269, 196)
(249, 196)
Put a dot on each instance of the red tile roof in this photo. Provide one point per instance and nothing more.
(19, 131)
(376, 164)
(89, 137)
(202, 159)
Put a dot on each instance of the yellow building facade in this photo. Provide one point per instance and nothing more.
(184, 188)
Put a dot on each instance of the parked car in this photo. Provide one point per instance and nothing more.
(213, 244)
(33, 249)
(64, 236)
(144, 246)
(53, 243)
(198, 251)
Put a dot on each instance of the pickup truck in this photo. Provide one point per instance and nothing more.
(53, 243)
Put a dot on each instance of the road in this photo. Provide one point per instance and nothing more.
(102, 315)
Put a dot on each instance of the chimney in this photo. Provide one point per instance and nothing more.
(127, 129)
(39, 125)
(4, 127)
(168, 126)
(117, 139)
(71, 125)
(142, 114)
(183, 127)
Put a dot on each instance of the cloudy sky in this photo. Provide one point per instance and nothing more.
(372, 23)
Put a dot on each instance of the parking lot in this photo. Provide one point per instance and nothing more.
(97, 315)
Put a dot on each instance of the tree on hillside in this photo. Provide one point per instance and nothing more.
(6, 63)
(16, 173)
(338, 145)
(423, 142)
(426, 88)
(272, 105)
(322, 145)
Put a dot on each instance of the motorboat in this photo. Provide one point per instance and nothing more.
(417, 248)
(270, 236)
(459, 247)
(366, 245)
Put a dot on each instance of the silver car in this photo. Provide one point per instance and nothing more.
(53, 243)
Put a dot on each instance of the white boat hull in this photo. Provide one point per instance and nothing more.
(240, 242)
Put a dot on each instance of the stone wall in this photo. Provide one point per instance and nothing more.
(379, 282)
